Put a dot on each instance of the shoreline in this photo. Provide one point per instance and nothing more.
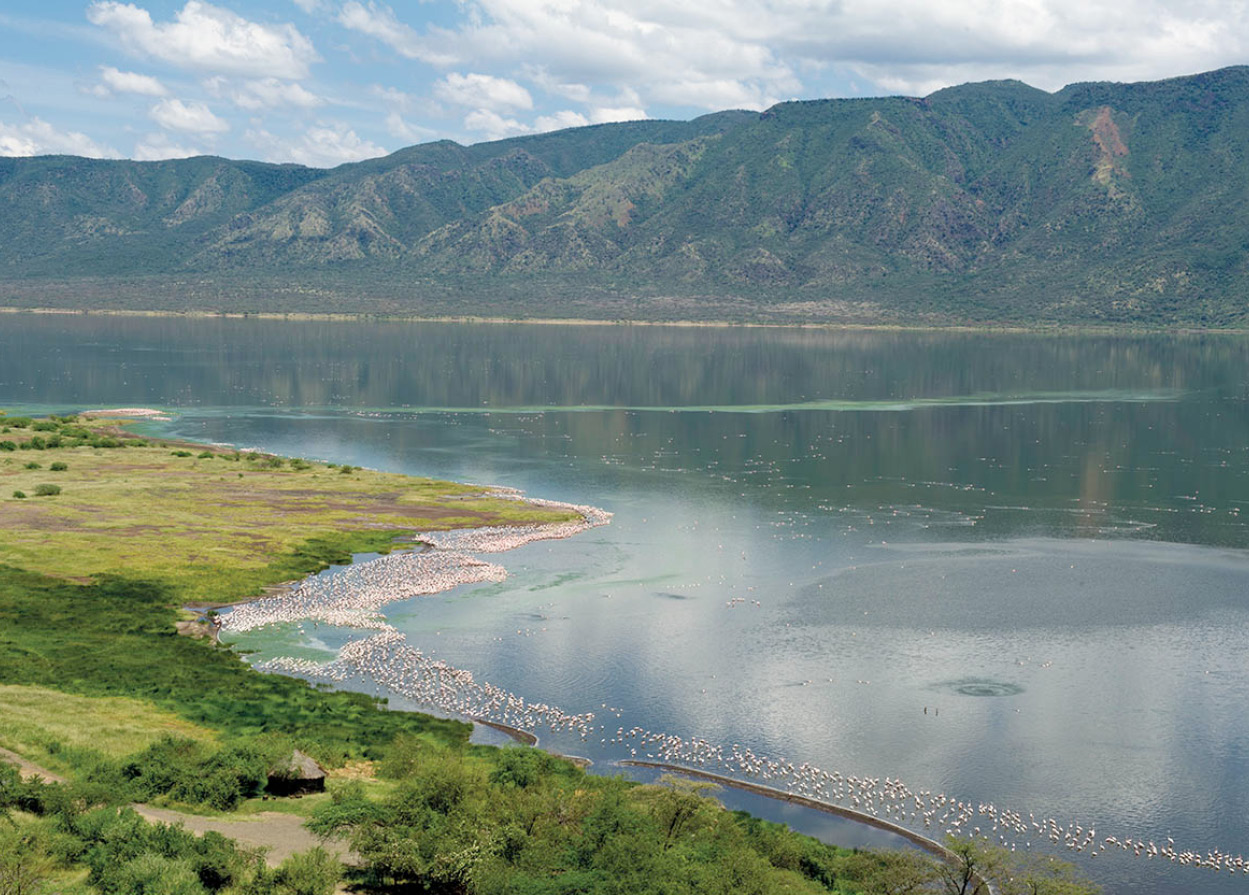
(931, 846)
(832, 326)
(524, 737)
(442, 561)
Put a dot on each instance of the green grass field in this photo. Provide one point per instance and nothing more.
(38, 722)
(212, 525)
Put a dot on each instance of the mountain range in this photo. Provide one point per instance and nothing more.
(985, 203)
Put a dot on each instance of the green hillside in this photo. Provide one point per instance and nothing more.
(992, 202)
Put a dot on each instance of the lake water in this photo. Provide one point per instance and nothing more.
(1011, 568)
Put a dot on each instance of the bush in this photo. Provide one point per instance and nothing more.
(47, 490)
(300, 464)
(313, 872)
(181, 453)
(154, 874)
(33, 465)
(20, 495)
(59, 466)
(204, 455)
(8, 445)
(346, 469)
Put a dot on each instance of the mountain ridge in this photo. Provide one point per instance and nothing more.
(989, 202)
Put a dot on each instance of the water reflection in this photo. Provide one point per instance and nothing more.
(1041, 605)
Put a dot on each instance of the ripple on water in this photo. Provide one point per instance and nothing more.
(980, 686)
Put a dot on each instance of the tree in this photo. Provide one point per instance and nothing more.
(977, 861)
(24, 863)
(970, 861)
(1036, 874)
(677, 804)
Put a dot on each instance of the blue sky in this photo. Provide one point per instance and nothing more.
(322, 82)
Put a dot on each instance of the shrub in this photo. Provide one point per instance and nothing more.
(155, 873)
(345, 469)
(19, 422)
(47, 490)
(313, 872)
(301, 464)
(181, 453)
(204, 455)
(20, 495)
(33, 465)
(8, 445)
(37, 443)
(59, 466)
(45, 426)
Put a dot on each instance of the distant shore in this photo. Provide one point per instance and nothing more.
(1004, 328)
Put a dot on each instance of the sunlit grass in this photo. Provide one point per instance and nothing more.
(215, 528)
(39, 723)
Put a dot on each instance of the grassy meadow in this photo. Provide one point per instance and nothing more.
(211, 524)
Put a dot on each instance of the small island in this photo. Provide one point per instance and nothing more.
(137, 758)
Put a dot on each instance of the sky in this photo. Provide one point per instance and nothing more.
(324, 82)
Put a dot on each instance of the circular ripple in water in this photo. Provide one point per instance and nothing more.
(979, 686)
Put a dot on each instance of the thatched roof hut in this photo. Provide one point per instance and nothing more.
(299, 774)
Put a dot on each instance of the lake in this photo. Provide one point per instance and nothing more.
(1011, 568)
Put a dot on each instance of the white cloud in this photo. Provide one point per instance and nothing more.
(396, 126)
(379, 22)
(324, 146)
(714, 93)
(619, 113)
(392, 96)
(192, 117)
(154, 147)
(751, 53)
(130, 82)
(714, 50)
(477, 91)
(37, 137)
(493, 125)
(578, 93)
(209, 38)
(560, 120)
(270, 93)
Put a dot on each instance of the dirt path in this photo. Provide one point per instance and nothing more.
(29, 769)
(281, 834)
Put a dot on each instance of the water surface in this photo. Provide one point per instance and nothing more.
(1008, 567)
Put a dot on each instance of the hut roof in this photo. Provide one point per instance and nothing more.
(302, 767)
